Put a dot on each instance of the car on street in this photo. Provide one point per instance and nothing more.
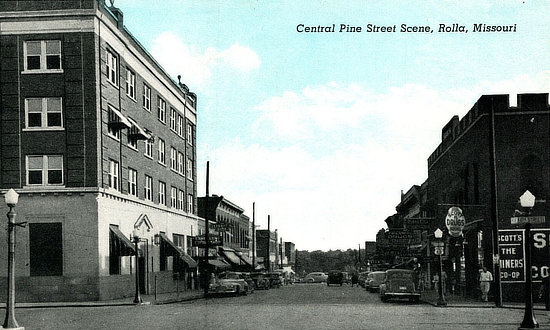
(248, 279)
(275, 279)
(399, 284)
(261, 282)
(374, 280)
(335, 277)
(316, 277)
(363, 278)
(229, 283)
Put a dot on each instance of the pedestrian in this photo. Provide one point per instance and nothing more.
(543, 292)
(436, 282)
(485, 279)
(354, 279)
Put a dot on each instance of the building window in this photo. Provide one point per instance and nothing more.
(113, 132)
(173, 159)
(44, 170)
(130, 84)
(42, 55)
(190, 134)
(146, 97)
(189, 169)
(174, 197)
(132, 182)
(112, 68)
(46, 249)
(162, 193)
(181, 199)
(189, 203)
(113, 175)
(149, 148)
(173, 117)
(180, 125)
(181, 163)
(161, 154)
(132, 143)
(148, 188)
(43, 112)
(161, 115)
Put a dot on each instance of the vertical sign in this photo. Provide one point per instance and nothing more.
(511, 250)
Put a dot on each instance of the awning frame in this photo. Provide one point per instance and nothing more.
(191, 263)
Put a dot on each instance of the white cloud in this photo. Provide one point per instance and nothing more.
(179, 58)
(339, 197)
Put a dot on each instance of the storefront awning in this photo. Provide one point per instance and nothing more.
(183, 256)
(234, 258)
(121, 244)
(220, 264)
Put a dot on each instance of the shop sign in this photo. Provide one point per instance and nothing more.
(455, 221)
(200, 241)
(399, 237)
(418, 223)
(512, 254)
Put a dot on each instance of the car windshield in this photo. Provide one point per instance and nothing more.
(399, 275)
(378, 276)
(229, 276)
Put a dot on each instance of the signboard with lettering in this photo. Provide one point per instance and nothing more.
(398, 237)
(200, 241)
(418, 223)
(455, 221)
(523, 220)
(512, 254)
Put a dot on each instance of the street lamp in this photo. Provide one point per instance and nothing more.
(527, 201)
(439, 249)
(135, 238)
(11, 198)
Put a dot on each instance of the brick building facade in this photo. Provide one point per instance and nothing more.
(98, 141)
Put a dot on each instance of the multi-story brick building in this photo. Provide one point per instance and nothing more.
(485, 162)
(267, 248)
(233, 228)
(99, 141)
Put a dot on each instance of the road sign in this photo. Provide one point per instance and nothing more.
(439, 250)
(530, 219)
(455, 221)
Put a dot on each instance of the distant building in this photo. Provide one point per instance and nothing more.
(99, 141)
(290, 253)
(232, 227)
(267, 248)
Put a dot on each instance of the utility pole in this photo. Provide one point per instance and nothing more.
(359, 257)
(207, 229)
(268, 261)
(254, 235)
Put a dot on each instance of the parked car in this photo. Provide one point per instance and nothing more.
(229, 283)
(399, 283)
(275, 279)
(248, 279)
(316, 277)
(261, 282)
(374, 280)
(335, 277)
(363, 278)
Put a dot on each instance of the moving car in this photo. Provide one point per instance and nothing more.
(229, 283)
(399, 283)
(316, 277)
(374, 280)
(260, 281)
(335, 277)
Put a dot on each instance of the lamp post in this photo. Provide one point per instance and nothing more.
(527, 201)
(11, 198)
(439, 249)
(135, 238)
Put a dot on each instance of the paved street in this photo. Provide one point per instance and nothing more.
(300, 306)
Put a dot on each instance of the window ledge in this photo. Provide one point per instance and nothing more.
(147, 156)
(113, 84)
(40, 129)
(41, 71)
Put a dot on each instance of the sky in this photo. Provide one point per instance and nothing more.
(323, 131)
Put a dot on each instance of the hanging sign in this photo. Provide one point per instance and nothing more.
(455, 221)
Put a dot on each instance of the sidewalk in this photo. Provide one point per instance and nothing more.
(431, 297)
(164, 298)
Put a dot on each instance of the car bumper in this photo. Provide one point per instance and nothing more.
(401, 294)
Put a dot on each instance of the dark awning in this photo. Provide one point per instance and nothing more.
(121, 244)
(136, 132)
(220, 264)
(234, 258)
(179, 251)
(117, 119)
